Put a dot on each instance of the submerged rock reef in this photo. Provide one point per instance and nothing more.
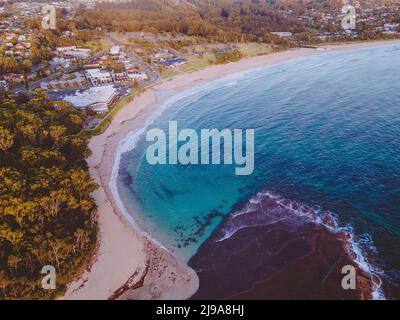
(275, 248)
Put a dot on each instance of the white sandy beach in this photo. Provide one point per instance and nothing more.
(128, 264)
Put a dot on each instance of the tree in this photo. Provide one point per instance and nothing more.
(9, 64)
(26, 69)
(57, 132)
(6, 139)
(47, 213)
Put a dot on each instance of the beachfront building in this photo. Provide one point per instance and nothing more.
(99, 99)
(75, 80)
(92, 65)
(98, 77)
(283, 34)
(59, 63)
(78, 53)
(14, 78)
(65, 49)
(138, 76)
(172, 62)
(121, 77)
(115, 50)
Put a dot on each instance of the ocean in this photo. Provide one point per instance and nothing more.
(326, 137)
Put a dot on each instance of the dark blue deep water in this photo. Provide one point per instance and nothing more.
(327, 134)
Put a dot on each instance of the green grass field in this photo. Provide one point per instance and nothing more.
(104, 44)
(253, 49)
(249, 49)
(196, 63)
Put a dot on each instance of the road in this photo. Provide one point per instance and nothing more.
(154, 76)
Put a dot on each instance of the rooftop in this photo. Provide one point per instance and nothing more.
(97, 73)
(84, 98)
(115, 50)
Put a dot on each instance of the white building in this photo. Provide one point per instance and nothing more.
(75, 80)
(79, 53)
(390, 26)
(63, 49)
(115, 50)
(100, 99)
(98, 77)
(139, 76)
(57, 63)
(283, 34)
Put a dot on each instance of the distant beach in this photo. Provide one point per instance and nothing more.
(129, 263)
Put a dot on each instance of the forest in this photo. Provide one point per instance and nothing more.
(223, 20)
(47, 213)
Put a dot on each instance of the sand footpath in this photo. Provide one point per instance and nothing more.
(128, 264)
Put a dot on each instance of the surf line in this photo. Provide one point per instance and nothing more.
(184, 145)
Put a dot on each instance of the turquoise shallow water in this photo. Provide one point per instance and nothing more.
(327, 134)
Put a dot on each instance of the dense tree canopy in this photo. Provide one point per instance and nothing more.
(47, 215)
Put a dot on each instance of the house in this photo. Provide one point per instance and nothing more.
(4, 85)
(27, 45)
(68, 34)
(283, 34)
(115, 50)
(139, 76)
(173, 62)
(121, 77)
(131, 68)
(77, 53)
(64, 49)
(14, 78)
(163, 54)
(10, 36)
(224, 50)
(92, 65)
(59, 63)
(390, 27)
(100, 99)
(77, 81)
(98, 77)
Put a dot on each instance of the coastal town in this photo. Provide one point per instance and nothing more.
(95, 72)
(91, 78)
(83, 81)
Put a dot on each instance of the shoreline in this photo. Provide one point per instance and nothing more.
(128, 263)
